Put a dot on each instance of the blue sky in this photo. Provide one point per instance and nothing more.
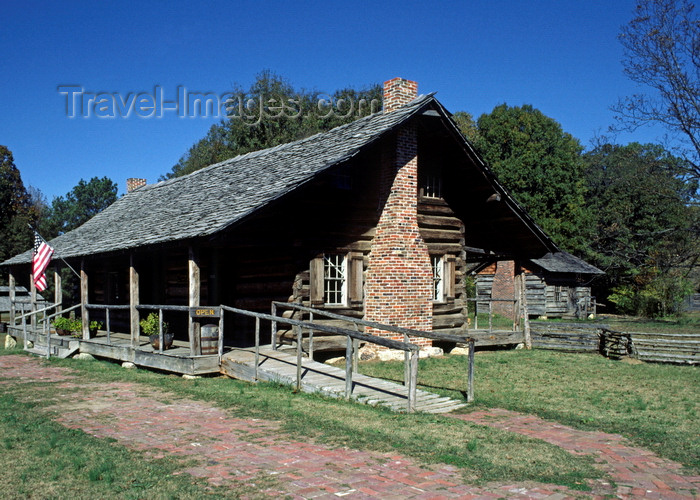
(562, 57)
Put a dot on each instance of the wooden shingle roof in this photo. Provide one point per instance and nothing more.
(563, 262)
(210, 200)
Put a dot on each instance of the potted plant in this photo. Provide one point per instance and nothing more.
(76, 327)
(63, 325)
(94, 326)
(150, 326)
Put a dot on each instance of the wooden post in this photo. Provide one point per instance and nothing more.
(516, 302)
(526, 317)
(348, 368)
(32, 292)
(355, 354)
(406, 364)
(195, 290)
(160, 331)
(221, 337)
(257, 344)
(311, 337)
(273, 328)
(24, 331)
(13, 286)
(84, 315)
(133, 302)
(470, 373)
(58, 292)
(47, 332)
(297, 331)
(109, 338)
(490, 316)
(413, 382)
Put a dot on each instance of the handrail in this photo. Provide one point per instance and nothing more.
(108, 306)
(379, 326)
(63, 311)
(163, 307)
(393, 344)
(30, 313)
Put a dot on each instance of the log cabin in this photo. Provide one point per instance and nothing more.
(558, 285)
(377, 219)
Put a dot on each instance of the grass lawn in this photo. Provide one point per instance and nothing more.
(656, 406)
(108, 469)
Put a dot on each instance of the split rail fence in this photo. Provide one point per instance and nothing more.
(678, 348)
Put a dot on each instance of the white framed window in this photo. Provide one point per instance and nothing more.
(438, 278)
(335, 279)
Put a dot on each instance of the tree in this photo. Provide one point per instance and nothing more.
(467, 125)
(15, 208)
(82, 203)
(541, 166)
(662, 53)
(272, 112)
(647, 232)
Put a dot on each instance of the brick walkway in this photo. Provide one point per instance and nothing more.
(230, 451)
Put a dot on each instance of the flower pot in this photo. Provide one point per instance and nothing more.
(167, 341)
(61, 331)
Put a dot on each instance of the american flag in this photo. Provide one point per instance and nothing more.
(42, 257)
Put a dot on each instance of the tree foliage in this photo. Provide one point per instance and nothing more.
(662, 53)
(647, 232)
(541, 166)
(79, 205)
(16, 210)
(273, 112)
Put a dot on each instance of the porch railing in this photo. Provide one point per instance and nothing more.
(42, 322)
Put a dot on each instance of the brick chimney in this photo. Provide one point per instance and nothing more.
(398, 92)
(503, 288)
(134, 183)
(399, 279)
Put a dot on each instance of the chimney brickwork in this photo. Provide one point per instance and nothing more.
(398, 92)
(134, 183)
(504, 288)
(399, 279)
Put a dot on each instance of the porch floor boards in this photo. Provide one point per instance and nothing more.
(279, 366)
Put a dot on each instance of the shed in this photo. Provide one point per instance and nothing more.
(558, 284)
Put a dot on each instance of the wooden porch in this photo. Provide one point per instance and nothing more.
(118, 347)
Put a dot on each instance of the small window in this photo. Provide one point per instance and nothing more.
(342, 179)
(438, 278)
(560, 294)
(334, 279)
(432, 187)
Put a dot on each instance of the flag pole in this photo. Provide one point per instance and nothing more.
(54, 252)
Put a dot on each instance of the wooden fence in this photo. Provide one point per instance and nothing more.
(657, 347)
